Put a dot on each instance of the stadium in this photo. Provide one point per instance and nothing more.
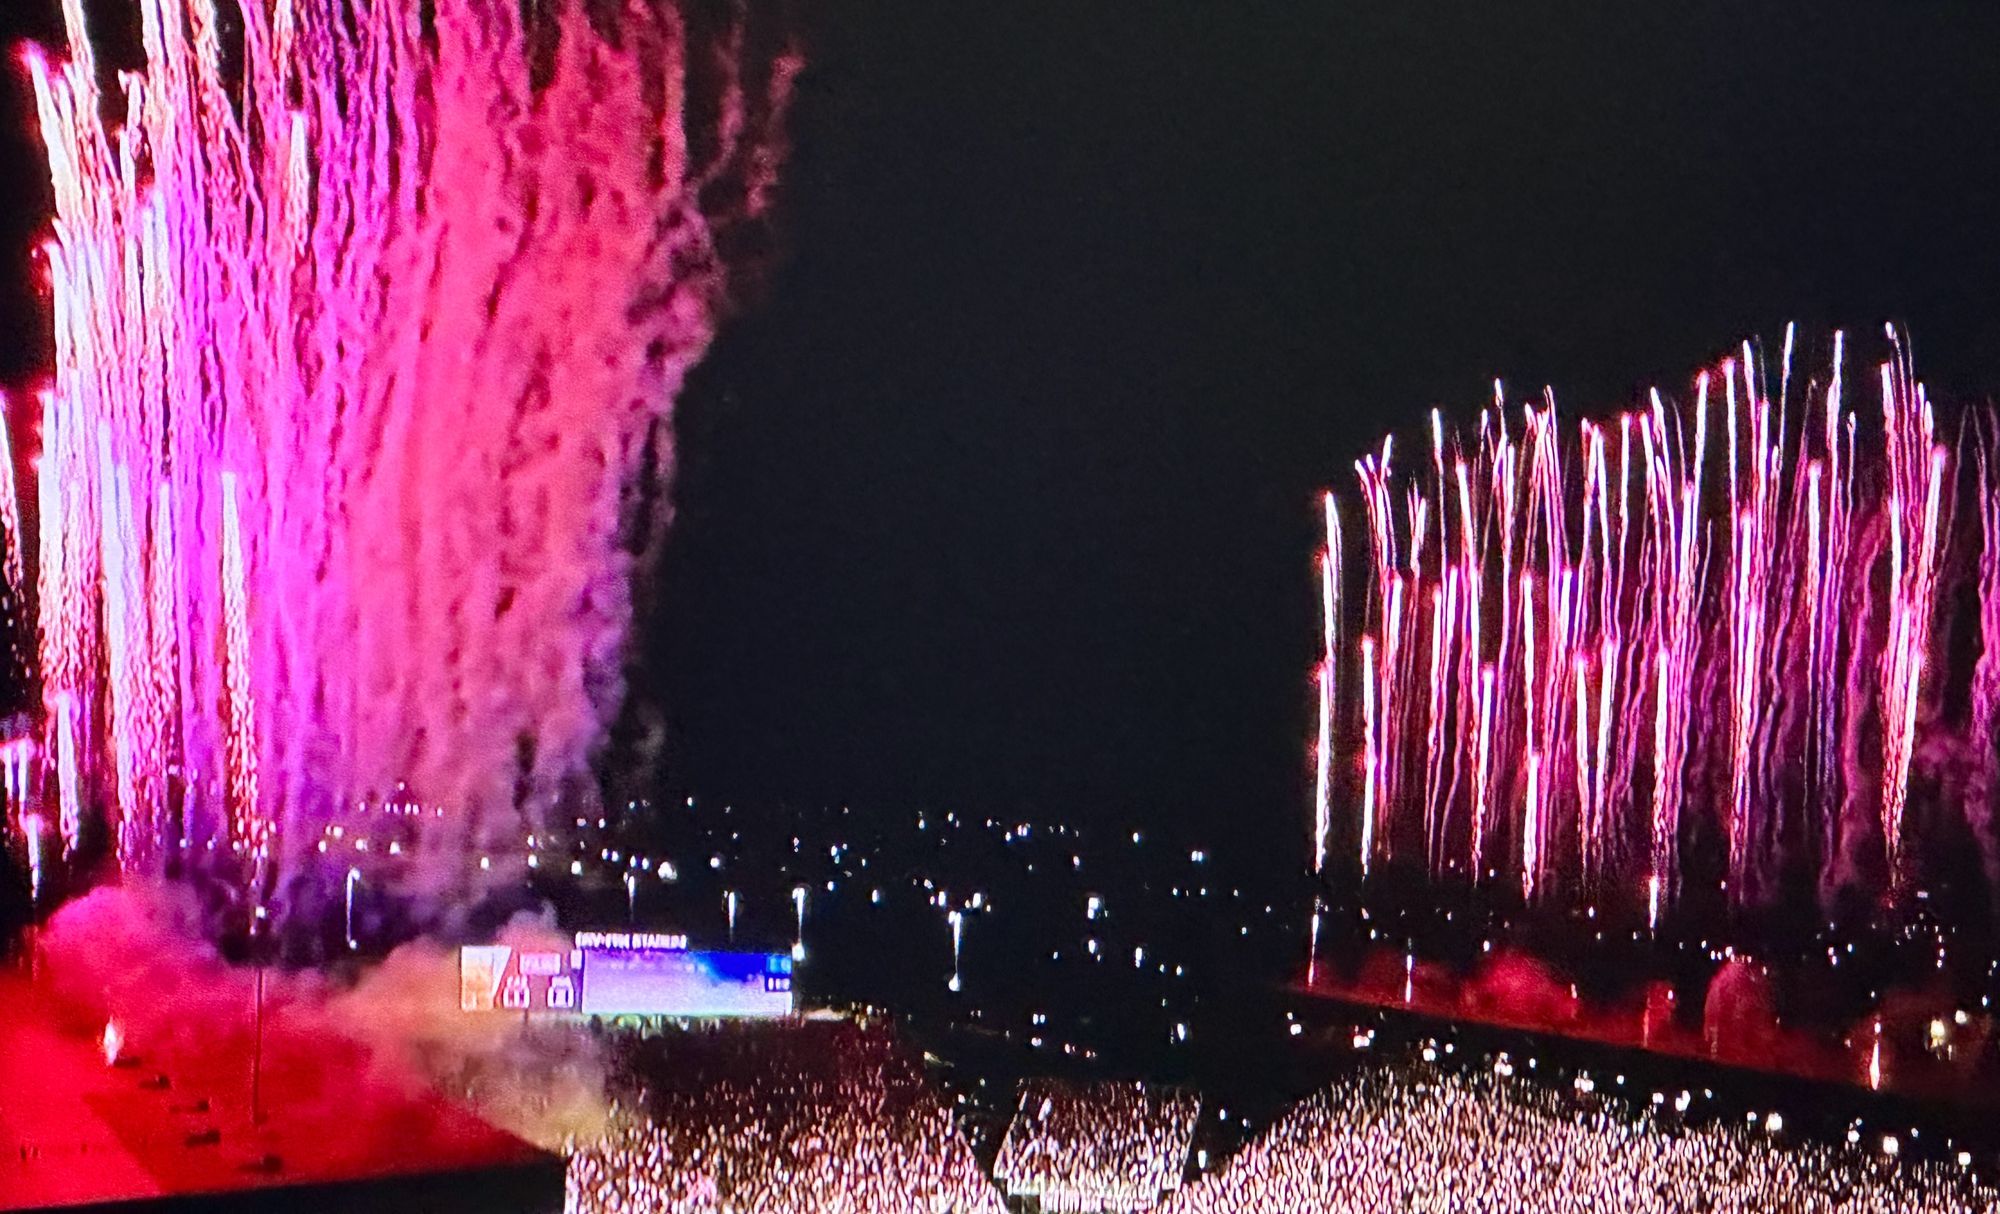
(639, 606)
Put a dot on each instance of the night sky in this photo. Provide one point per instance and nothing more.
(1003, 494)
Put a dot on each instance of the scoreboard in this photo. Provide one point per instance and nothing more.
(663, 982)
(500, 977)
(624, 974)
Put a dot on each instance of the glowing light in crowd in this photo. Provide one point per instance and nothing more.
(829, 1117)
(353, 879)
(1553, 612)
(1102, 1146)
(957, 922)
(799, 909)
(1434, 1140)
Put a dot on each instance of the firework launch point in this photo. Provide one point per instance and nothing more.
(87, 1124)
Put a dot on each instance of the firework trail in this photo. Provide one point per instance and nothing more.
(1983, 725)
(1371, 754)
(1916, 478)
(1329, 585)
(248, 825)
(369, 318)
(1540, 682)
(10, 502)
(68, 775)
(19, 757)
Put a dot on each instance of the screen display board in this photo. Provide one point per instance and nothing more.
(501, 978)
(623, 974)
(677, 982)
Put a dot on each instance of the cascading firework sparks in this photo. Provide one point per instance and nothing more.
(248, 825)
(1329, 583)
(1613, 586)
(369, 318)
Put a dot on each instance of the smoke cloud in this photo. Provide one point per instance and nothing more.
(135, 954)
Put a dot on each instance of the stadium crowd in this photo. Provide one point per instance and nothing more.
(1101, 1146)
(1424, 1142)
(816, 1118)
(838, 1118)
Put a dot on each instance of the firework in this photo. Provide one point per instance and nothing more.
(1329, 589)
(957, 921)
(31, 829)
(10, 501)
(367, 322)
(1767, 560)
(353, 879)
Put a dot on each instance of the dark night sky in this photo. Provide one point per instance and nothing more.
(1004, 494)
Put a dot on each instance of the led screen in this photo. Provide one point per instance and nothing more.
(676, 982)
(500, 978)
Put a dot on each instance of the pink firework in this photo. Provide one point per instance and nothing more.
(362, 339)
(1554, 612)
(1329, 583)
(248, 825)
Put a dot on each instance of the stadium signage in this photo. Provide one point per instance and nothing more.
(672, 942)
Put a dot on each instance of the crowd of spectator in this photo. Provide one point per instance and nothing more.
(1096, 1147)
(838, 1117)
(812, 1118)
(1419, 1141)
